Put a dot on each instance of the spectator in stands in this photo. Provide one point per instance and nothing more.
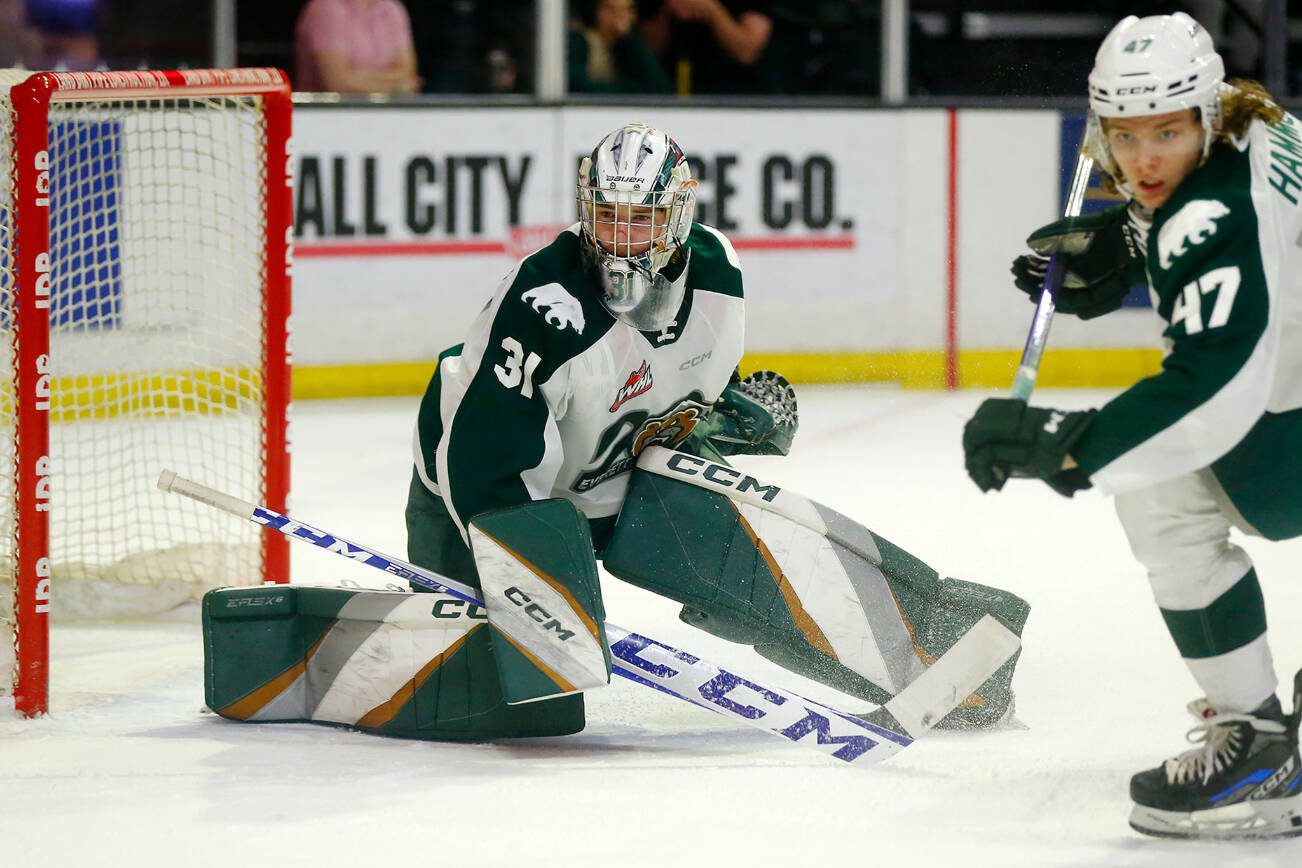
(474, 46)
(607, 53)
(65, 34)
(16, 40)
(711, 46)
(355, 46)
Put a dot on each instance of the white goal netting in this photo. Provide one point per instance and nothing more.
(158, 339)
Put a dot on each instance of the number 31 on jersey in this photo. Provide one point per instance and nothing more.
(519, 368)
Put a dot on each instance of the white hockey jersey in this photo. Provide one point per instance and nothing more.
(551, 396)
(1225, 268)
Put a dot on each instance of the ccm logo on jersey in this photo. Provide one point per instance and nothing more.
(690, 465)
(695, 360)
(638, 383)
(538, 613)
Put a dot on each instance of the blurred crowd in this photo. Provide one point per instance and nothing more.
(754, 47)
(685, 47)
(50, 34)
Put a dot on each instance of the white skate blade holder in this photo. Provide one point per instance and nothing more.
(1253, 818)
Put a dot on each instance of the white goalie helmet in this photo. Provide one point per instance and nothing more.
(1152, 66)
(636, 197)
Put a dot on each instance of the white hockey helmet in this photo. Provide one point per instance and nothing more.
(637, 184)
(1152, 66)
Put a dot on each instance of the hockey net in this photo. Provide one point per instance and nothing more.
(144, 297)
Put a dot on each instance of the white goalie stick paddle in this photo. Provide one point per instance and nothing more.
(1038, 336)
(875, 736)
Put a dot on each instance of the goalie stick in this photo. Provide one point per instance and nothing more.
(1038, 336)
(865, 739)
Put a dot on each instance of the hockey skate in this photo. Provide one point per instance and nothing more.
(1244, 779)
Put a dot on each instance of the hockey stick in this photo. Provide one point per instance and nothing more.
(876, 736)
(1038, 336)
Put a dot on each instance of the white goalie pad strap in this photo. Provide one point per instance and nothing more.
(539, 617)
(744, 488)
(846, 597)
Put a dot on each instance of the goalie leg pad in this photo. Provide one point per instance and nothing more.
(784, 647)
(957, 606)
(752, 576)
(843, 606)
(944, 619)
(392, 663)
(539, 578)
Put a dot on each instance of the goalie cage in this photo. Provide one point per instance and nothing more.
(145, 256)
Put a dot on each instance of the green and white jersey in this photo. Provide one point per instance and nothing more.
(1225, 271)
(551, 396)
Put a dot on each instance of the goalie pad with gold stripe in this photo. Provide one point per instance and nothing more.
(394, 663)
(539, 579)
(808, 587)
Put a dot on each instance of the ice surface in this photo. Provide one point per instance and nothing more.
(129, 768)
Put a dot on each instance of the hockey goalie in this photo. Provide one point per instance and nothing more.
(588, 416)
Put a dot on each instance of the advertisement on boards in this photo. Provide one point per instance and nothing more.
(407, 219)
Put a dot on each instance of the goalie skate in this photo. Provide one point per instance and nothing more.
(1244, 780)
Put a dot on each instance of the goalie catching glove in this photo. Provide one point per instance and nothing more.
(1008, 438)
(1102, 257)
(755, 415)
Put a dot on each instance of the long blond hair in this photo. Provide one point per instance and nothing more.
(1246, 102)
(1242, 102)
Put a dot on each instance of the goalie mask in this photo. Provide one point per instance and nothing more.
(636, 196)
(1153, 66)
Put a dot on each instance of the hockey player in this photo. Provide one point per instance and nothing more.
(619, 334)
(623, 334)
(1212, 175)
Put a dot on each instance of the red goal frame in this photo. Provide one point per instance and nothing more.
(30, 102)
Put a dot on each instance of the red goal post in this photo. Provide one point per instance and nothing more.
(147, 252)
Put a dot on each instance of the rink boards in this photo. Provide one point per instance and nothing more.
(846, 222)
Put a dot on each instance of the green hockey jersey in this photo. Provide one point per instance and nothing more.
(551, 396)
(1225, 272)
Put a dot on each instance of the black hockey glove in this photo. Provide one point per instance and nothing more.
(754, 416)
(1008, 438)
(1102, 257)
